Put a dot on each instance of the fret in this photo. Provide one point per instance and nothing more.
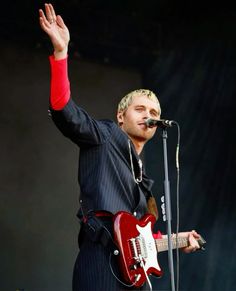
(162, 244)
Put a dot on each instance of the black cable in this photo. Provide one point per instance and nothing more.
(177, 204)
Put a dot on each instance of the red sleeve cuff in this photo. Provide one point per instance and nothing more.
(60, 85)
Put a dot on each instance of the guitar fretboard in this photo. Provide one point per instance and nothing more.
(162, 244)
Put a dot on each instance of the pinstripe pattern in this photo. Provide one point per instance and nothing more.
(92, 271)
(106, 183)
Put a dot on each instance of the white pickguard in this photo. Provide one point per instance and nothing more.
(150, 256)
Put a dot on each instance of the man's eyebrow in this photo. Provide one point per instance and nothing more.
(139, 106)
(157, 111)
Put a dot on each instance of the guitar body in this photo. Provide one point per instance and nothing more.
(138, 251)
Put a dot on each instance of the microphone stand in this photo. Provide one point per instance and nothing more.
(168, 210)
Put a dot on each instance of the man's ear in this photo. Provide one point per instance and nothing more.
(120, 117)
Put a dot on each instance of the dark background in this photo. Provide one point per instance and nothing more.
(185, 52)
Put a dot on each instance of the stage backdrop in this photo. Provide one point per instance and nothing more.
(195, 77)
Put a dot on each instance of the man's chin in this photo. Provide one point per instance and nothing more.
(144, 138)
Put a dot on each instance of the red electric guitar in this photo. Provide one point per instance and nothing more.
(138, 249)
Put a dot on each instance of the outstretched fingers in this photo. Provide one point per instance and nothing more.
(47, 20)
(52, 13)
(57, 31)
(44, 23)
(60, 22)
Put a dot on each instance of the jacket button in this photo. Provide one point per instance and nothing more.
(135, 213)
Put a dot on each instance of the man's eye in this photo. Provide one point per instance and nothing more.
(139, 109)
(155, 114)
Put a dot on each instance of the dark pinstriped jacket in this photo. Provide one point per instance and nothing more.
(105, 174)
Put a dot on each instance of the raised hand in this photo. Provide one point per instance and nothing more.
(56, 29)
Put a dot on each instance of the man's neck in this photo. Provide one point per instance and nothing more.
(138, 145)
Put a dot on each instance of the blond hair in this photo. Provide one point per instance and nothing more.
(127, 99)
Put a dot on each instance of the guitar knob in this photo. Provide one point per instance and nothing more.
(116, 252)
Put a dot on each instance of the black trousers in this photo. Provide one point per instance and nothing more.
(94, 268)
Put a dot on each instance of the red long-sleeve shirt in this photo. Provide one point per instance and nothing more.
(60, 85)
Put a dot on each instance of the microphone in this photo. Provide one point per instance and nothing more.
(163, 123)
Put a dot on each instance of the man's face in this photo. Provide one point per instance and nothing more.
(132, 121)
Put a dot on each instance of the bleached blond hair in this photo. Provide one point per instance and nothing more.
(127, 99)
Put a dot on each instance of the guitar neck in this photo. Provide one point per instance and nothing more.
(180, 242)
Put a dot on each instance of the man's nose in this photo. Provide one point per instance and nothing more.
(146, 115)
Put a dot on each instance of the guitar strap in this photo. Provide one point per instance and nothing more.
(98, 228)
(152, 206)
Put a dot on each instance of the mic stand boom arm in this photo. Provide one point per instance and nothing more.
(168, 210)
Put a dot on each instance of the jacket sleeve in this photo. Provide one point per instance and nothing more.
(72, 120)
(76, 124)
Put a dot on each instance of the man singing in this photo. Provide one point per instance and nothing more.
(111, 174)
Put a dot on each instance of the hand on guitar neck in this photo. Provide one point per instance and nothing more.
(193, 238)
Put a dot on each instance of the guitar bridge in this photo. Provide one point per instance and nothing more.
(138, 248)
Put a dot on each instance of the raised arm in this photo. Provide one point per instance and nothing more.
(71, 120)
(56, 29)
(59, 35)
